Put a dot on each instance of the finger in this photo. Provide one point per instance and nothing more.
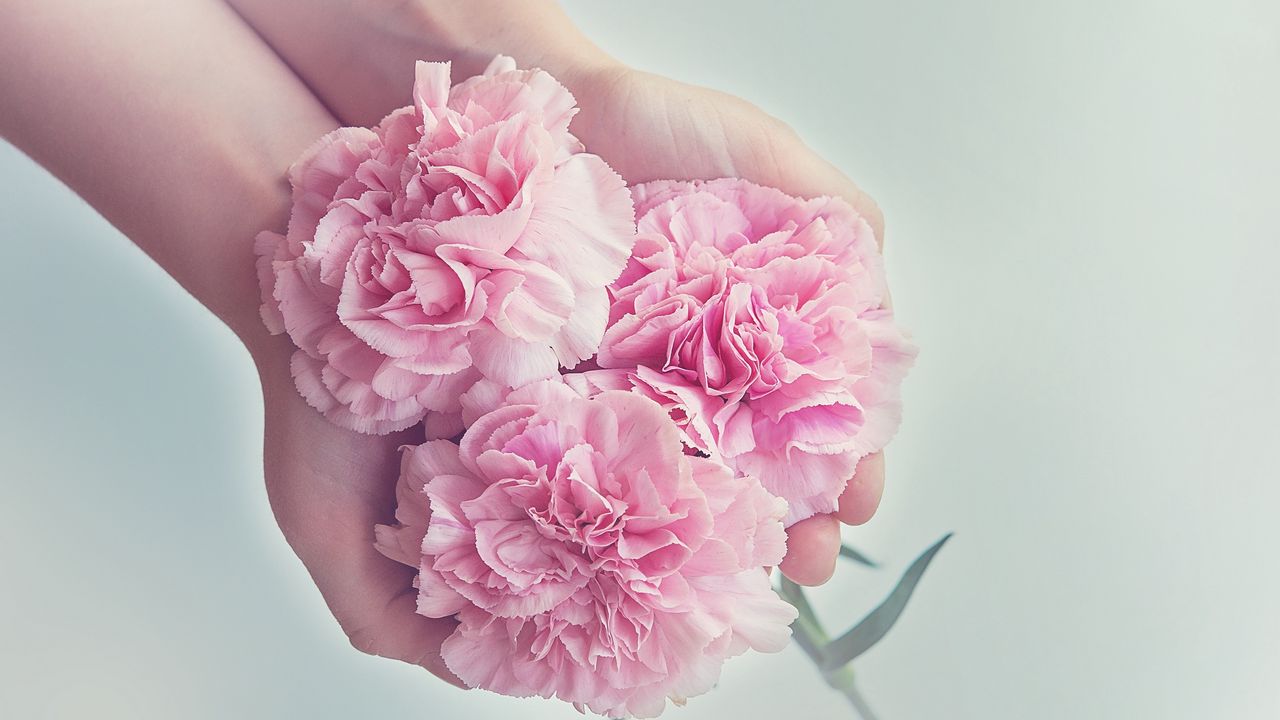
(812, 548)
(397, 632)
(861, 497)
(328, 488)
(172, 119)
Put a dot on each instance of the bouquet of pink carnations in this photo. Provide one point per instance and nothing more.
(626, 393)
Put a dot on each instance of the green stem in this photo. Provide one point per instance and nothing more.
(843, 681)
(811, 638)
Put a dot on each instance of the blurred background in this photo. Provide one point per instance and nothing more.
(1082, 205)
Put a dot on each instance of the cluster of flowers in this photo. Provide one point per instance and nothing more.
(627, 393)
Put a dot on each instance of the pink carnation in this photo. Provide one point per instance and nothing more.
(586, 555)
(758, 320)
(466, 236)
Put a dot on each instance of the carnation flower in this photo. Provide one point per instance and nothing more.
(466, 236)
(586, 555)
(758, 321)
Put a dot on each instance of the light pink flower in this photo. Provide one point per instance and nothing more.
(466, 236)
(758, 321)
(586, 555)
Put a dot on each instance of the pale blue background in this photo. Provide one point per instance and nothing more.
(1082, 202)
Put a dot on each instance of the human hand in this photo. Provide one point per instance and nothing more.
(204, 164)
(358, 59)
(328, 487)
(650, 127)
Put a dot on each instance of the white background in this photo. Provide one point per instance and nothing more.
(1082, 203)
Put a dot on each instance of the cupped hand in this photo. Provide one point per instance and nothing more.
(329, 486)
(650, 127)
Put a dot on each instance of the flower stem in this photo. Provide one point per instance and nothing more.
(843, 681)
(810, 636)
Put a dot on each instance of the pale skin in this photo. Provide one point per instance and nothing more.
(177, 122)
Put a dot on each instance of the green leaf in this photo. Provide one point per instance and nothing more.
(854, 555)
(873, 627)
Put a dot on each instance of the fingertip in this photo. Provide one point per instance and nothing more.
(861, 497)
(812, 548)
(397, 632)
(432, 660)
(435, 664)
